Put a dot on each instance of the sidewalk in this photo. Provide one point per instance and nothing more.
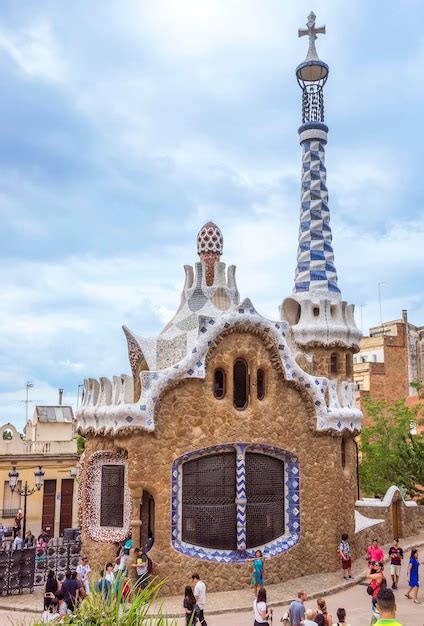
(240, 600)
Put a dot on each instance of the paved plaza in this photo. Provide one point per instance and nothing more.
(355, 600)
(234, 607)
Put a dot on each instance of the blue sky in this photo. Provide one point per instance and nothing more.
(125, 126)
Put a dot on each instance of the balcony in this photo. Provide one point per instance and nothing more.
(8, 513)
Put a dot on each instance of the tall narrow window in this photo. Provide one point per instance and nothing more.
(333, 364)
(260, 384)
(343, 452)
(112, 498)
(349, 365)
(219, 383)
(241, 384)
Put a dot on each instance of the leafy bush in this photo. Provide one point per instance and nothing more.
(114, 610)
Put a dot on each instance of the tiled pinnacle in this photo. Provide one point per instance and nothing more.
(315, 271)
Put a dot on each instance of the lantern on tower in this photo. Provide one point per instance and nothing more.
(312, 75)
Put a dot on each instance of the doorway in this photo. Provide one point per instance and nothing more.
(49, 505)
(147, 517)
(66, 501)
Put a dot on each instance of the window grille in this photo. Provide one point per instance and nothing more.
(208, 501)
(112, 498)
(209, 510)
(265, 498)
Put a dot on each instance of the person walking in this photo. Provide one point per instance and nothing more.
(396, 556)
(189, 605)
(341, 618)
(62, 607)
(200, 595)
(70, 590)
(386, 607)
(375, 552)
(51, 588)
(413, 576)
(258, 571)
(297, 609)
(345, 556)
(260, 608)
(323, 617)
(83, 572)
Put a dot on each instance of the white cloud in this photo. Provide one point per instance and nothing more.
(35, 51)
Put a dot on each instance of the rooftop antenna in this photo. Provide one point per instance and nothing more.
(28, 386)
(383, 282)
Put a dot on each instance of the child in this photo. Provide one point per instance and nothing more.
(343, 552)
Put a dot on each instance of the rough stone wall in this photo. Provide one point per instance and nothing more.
(322, 362)
(408, 525)
(189, 417)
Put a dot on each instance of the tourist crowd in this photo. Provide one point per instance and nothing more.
(132, 569)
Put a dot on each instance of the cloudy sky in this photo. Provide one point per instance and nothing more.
(126, 125)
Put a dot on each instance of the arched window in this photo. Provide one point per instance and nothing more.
(219, 383)
(209, 490)
(333, 364)
(260, 384)
(343, 452)
(240, 384)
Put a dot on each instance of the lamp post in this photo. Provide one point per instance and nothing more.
(25, 491)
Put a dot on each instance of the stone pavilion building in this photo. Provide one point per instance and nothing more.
(235, 432)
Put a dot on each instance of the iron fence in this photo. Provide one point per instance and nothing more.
(22, 570)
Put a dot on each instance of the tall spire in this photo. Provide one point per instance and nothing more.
(315, 271)
(316, 312)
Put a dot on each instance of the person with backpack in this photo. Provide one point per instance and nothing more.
(323, 617)
(377, 580)
(260, 609)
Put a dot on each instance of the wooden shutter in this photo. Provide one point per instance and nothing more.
(112, 497)
(49, 507)
(66, 501)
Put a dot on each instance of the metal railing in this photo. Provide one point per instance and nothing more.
(8, 513)
(22, 570)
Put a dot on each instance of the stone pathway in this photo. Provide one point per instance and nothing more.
(240, 600)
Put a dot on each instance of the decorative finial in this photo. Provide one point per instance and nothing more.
(210, 244)
(312, 32)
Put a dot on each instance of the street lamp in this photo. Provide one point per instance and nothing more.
(25, 491)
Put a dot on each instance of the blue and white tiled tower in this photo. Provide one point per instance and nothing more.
(316, 310)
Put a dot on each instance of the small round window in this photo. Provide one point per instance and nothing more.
(219, 383)
(260, 384)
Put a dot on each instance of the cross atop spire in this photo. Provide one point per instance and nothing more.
(312, 32)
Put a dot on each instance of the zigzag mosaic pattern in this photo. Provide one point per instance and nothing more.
(292, 508)
(315, 269)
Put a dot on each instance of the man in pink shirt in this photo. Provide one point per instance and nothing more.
(375, 553)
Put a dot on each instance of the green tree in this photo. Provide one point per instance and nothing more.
(390, 453)
(80, 444)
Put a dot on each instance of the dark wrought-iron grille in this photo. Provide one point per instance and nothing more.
(265, 499)
(112, 497)
(208, 501)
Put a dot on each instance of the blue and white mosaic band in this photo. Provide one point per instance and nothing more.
(279, 545)
(241, 500)
(315, 271)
